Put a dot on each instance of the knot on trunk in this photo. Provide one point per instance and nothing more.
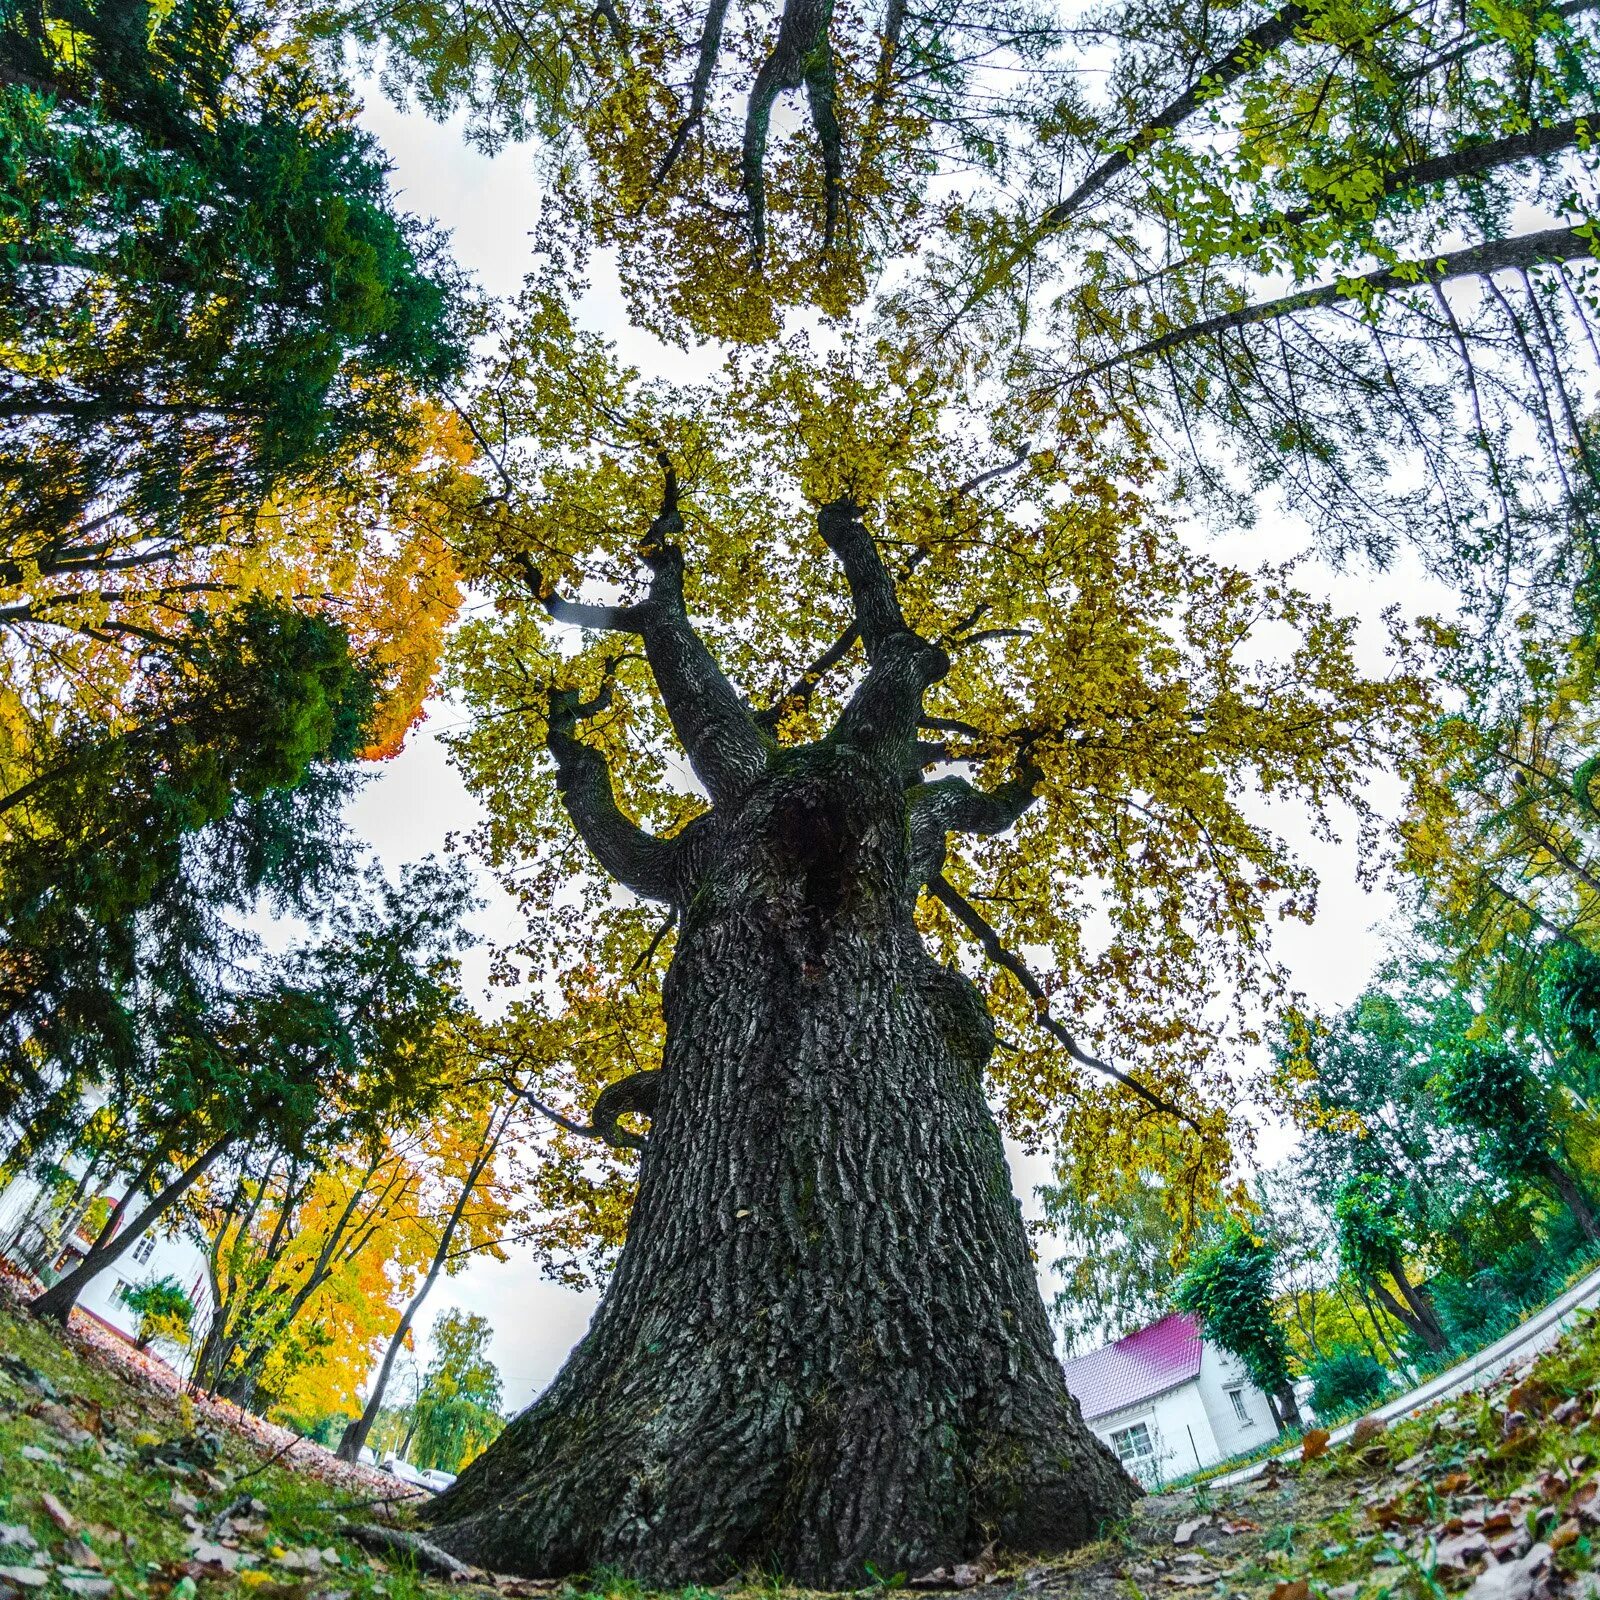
(962, 1015)
(637, 1093)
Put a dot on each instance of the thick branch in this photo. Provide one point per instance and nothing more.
(1495, 255)
(637, 1093)
(978, 926)
(952, 805)
(715, 727)
(635, 858)
(1470, 161)
(795, 61)
(700, 86)
(877, 608)
(902, 665)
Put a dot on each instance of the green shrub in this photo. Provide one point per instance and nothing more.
(165, 1311)
(1345, 1380)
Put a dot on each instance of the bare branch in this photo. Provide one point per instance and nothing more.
(636, 858)
(1206, 84)
(979, 927)
(637, 1093)
(798, 695)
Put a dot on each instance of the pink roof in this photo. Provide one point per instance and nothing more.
(1145, 1364)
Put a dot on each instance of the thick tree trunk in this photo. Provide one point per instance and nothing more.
(823, 1345)
(1575, 1197)
(1286, 1408)
(1429, 1329)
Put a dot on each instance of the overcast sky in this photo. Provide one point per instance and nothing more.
(489, 207)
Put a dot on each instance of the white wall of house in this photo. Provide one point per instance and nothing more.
(156, 1255)
(1177, 1428)
(1194, 1425)
(1238, 1411)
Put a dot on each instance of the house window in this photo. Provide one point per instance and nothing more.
(145, 1248)
(1134, 1446)
(1239, 1412)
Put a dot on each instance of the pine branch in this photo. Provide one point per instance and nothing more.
(1496, 255)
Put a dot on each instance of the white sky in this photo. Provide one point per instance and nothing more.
(488, 204)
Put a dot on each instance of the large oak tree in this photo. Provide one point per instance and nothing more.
(852, 710)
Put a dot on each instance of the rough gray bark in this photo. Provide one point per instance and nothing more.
(823, 1346)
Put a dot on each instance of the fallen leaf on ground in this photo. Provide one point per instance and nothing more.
(1314, 1444)
(1366, 1430)
(58, 1513)
(1185, 1531)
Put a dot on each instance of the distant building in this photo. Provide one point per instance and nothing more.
(1168, 1402)
(26, 1235)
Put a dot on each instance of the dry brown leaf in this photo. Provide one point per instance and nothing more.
(1314, 1444)
(1454, 1482)
(1298, 1589)
(1366, 1430)
(1530, 1395)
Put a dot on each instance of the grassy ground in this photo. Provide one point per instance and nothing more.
(109, 1491)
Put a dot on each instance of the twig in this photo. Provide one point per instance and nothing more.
(271, 1460)
(214, 1529)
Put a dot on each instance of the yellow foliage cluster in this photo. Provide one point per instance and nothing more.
(1168, 699)
(371, 546)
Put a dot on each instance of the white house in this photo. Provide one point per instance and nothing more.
(24, 1224)
(1169, 1403)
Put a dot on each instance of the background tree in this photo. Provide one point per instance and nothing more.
(470, 1215)
(207, 287)
(1229, 1287)
(317, 1240)
(164, 1310)
(457, 1410)
(340, 1034)
(110, 902)
(1121, 1257)
(1373, 1246)
(1486, 1086)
